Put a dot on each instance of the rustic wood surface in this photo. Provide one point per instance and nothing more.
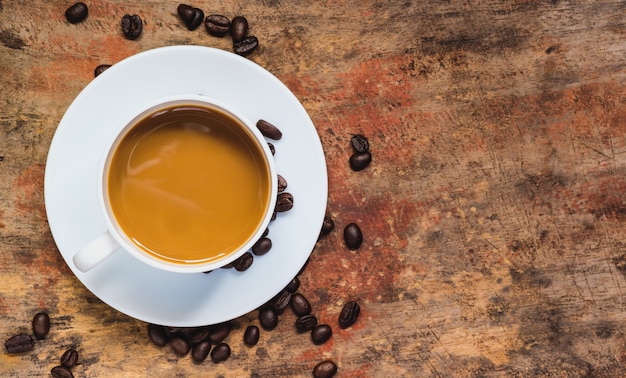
(493, 210)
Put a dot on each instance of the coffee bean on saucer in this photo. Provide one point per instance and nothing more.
(300, 305)
(244, 262)
(220, 353)
(349, 314)
(262, 246)
(61, 372)
(293, 285)
(238, 28)
(100, 69)
(321, 333)
(251, 335)
(284, 202)
(325, 369)
(360, 143)
(246, 46)
(352, 236)
(200, 351)
(306, 323)
(41, 325)
(360, 160)
(131, 26)
(19, 344)
(219, 332)
(269, 130)
(282, 184)
(280, 302)
(268, 319)
(180, 344)
(217, 25)
(76, 13)
(158, 335)
(69, 358)
(191, 17)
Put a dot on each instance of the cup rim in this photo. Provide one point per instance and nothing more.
(125, 243)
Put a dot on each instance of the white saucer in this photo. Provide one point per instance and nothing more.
(177, 299)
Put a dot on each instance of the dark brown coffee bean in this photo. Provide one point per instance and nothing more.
(293, 285)
(19, 344)
(280, 302)
(300, 305)
(272, 148)
(262, 246)
(131, 26)
(229, 265)
(220, 331)
(327, 226)
(269, 130)
(158, 335)
(251, 335)
(76, 13)
(360, 160)
(238, 28)
(199, 335)
(180, 344)
(268, 319)
(69, 358)
(349, 314)
(100, 69)
(61, 372)
(246, 46)
(200, 351)
(325, 369)
(191, 17)
(282, 184)
(217, 25)
(220, 353)
(284, 202)
(360, 143)
(321, 333)
(41, 325)
(352, 236)
(244, 262)
(266, 232)
(306, 323)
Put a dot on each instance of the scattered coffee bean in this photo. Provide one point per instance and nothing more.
(69, 358)
(199, 335)
(284, 202)
(349, 314)
(192, 17)
(327, 226)
(200, 351)
(19, 344)
(220, 353)
(217, 25)
(272, 148)
(61, 372)
(306, 323)
(282, 184)
(269, 130)
(219, 332)
(360, 143)
(180, 344)
(77, 13)
(300, 305)
(262, 246)
(321, 333)
(246, 46)
(100, 69)
(293, 285)
(251, 335)
(360, 160)
(280, 302)
(229, 265)
(325, 369)
(268, 319)
(41, 325)
(131, 26)
(352, 236)
(244, 262)
(238, 28)
(158, 335)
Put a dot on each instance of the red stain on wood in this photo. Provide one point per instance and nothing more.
(29, 193)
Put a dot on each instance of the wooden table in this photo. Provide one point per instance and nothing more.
(493, 211)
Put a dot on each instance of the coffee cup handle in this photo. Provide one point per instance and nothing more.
(95, 252)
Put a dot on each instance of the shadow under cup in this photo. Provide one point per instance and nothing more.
(188, 183)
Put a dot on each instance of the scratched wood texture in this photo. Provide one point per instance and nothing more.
(493, 212)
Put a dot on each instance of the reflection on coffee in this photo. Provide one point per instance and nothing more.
(188, 184)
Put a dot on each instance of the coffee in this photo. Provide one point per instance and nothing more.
(188, 184)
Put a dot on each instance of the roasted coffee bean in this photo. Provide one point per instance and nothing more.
(246, 46)
(61, 372)
(327, 226)
(180, 344)
(244, 262)
(221, 352)
(284, 202)
(219, 332)
(131, 26)
(325, 369)
(360, 143)
(269, 130)
(349, 314)
(352, 236)
(280, 302)
(272, 148)
(306, 323)
(158, 335)
(217, 25)
(100, 69)
(282, 184)
(69, 358)
(229, 265)
(300, 305)
(360, 160)
(321, 333)
(41, 325)
(76, 13)
(192, 17)
(268, 319)
(262, 246)
(199, 335)
(238, 28)
(200, 351)
(19, 344)
(251, 335)
(293, 285)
